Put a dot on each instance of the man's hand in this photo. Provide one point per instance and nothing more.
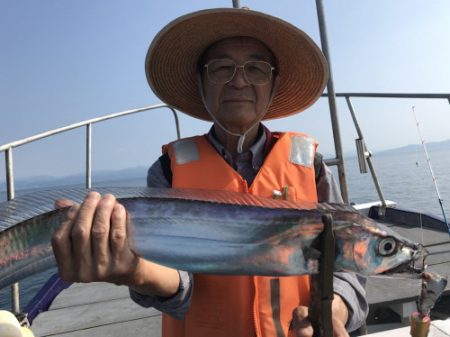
(301, 326)
(92, 244)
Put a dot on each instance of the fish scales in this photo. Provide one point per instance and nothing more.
(212, 232)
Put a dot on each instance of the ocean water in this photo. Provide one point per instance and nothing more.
(404, 178)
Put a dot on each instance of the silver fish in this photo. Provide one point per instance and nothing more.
(433, 285)
(212, 232)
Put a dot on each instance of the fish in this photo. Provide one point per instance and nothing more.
(212, 232)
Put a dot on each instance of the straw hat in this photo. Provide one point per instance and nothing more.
(171, 62)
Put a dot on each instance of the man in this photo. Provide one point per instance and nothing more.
(234, 67)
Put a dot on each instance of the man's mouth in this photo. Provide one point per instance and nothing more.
(238, 99)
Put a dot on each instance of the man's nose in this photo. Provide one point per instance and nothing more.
(239, 80)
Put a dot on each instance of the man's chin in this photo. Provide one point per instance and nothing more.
(238, 118)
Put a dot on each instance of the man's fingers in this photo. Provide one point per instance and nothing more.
(101, 252)
(300, 313)
(81, 236)
(118, 232)
(302, 327)
(300, 324)
(62, 245)
(61, 203)
(92, 244)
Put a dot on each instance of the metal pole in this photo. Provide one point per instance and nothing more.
(332, 104)
(322, 289)
(366, 155)
(42, 135)
(15, 303)
(9, 174)
(89, 155)
(390, 95)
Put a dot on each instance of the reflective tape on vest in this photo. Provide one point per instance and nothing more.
(302, 151)
(185, 151)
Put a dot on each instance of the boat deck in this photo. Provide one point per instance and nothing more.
(400, 294)
(100, 309)
(96, 310)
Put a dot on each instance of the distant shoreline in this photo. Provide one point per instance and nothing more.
(135, 173)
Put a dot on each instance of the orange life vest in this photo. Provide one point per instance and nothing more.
(232, 306)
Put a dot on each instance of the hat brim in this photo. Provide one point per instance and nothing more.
(171, 62)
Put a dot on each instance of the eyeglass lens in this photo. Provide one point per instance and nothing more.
(223, 70)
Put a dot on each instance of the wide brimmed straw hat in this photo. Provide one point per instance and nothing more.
(171, 63)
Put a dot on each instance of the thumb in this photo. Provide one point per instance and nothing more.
(300, 325)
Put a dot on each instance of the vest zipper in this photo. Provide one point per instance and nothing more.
(244, 185)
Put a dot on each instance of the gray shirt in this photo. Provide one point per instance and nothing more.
(349, 286)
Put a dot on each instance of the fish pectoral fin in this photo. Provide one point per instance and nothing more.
(311, 253)
(311, 256)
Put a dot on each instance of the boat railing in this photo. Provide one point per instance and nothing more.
(8, 149)
(364, 155)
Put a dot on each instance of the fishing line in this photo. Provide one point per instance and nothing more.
(438, 253)
(436, 244)
(398, 276)
(431, 170)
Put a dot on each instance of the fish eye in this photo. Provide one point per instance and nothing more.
(387, 246)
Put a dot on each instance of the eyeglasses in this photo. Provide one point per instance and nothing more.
(221, 71)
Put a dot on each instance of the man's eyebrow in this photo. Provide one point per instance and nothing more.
(259, 57)
(223, 56)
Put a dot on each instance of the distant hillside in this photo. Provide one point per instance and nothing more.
(78, 179)
(432, 146)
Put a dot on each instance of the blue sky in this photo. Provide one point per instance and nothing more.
(65, 61)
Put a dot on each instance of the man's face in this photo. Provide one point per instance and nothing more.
(238, 104)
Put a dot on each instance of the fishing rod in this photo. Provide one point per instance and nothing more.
(431, 170)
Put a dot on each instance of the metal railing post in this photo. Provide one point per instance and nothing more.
(15, 303)
(366, 155)
(332, 104)
(8, 148)
(89, 155)
(9, 174)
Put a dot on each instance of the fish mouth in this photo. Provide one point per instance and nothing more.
(414, 267)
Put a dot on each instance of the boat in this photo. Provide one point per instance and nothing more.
(102, 309)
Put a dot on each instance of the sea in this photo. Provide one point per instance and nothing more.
(405, 178)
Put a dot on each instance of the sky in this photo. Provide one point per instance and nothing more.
(65, 61)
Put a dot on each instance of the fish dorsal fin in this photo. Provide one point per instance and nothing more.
(234, 198)
(27, 206)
